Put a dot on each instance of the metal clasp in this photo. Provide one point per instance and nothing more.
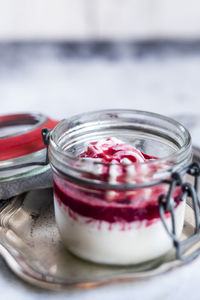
(166, 204)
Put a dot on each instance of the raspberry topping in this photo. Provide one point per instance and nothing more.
(113, 150)
(122, 168)
(124, 164)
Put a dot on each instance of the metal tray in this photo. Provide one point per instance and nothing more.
(31, 246)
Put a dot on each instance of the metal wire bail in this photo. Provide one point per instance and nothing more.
(167, 204)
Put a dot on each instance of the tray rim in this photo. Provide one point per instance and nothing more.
(28, 274)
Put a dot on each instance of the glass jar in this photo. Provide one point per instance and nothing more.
(128, 229)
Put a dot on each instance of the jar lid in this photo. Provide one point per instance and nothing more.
(20, 134)
(21, 148)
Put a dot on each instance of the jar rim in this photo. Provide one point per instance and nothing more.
(176, 154)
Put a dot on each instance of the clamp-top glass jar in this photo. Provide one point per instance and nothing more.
(127, 228)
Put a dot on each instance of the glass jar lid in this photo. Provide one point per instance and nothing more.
(21, 143)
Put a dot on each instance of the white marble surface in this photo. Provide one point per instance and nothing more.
(61, 87)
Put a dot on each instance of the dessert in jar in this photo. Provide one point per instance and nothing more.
(104, 166)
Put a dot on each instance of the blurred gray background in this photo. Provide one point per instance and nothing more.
(99, 19)
(68, 56)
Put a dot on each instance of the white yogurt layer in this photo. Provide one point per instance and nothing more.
(116, 243)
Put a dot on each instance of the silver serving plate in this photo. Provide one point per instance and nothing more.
(31, 246)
